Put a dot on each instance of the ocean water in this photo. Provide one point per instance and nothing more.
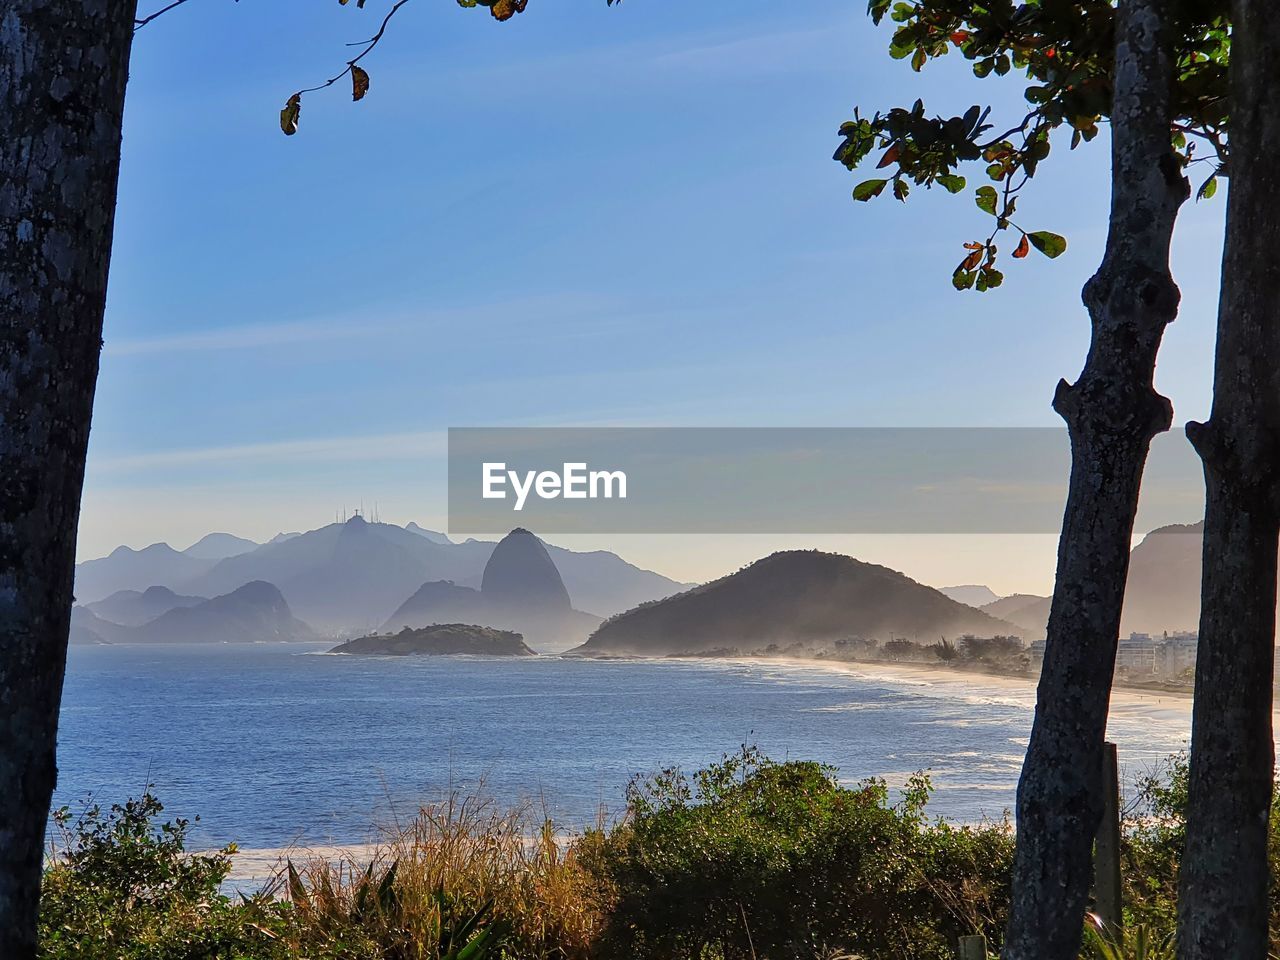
(279, 744)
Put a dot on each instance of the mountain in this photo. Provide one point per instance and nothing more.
(349, 577)
(128, 569)
(432, 535)
(521, 589)
(520, 575)
(1025, 610)
(219, 546)
(442, 639)
(1163, 592)
(972, 594)
(791, 596)
(438, 601)
(602, 583)
(88, 629)
(254, 612)
(130, 608)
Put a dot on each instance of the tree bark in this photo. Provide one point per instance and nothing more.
(63, 67)
(1224, 878)
(1112, 413)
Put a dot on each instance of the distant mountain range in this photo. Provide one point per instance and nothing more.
(1162, 595)
(219, 546)
(133, 608)
(521, 589)
(1027, 610)
(970, 594)
(350, 577)
(794, 596)
(358, 577)
(254, 612)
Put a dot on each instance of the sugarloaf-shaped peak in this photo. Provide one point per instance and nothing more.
(520, 573)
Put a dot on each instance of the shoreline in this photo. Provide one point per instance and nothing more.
(1137, 690)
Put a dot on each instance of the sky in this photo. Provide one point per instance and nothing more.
(584, 216)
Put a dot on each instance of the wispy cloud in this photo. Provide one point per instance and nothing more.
(235, 338)
(563, 307)
(387, 446)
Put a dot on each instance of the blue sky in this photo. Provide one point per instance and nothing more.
(582, 216)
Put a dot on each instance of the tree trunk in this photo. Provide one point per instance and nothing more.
(63, 66)
(1223, 898)
(1112, 413)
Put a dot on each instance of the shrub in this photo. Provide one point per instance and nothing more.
(121, 886)
(752, 858)
(1153, 835)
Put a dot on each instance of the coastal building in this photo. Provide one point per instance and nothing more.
(1177, 654)
(1136, 655)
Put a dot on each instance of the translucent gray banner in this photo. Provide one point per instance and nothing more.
(786, 480)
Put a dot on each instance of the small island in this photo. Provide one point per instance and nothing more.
(441, 639)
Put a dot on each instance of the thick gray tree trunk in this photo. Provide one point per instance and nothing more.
(1223, 899)
(63, 66)
(1112, 413)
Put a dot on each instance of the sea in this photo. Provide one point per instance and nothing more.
(283, 745)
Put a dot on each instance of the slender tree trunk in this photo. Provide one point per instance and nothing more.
(1112, 413)
(63, 66)
(1223, 902)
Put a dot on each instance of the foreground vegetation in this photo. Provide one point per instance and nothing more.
(746, 859)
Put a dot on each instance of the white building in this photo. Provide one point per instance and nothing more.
(1177, 654)
(1136, 655)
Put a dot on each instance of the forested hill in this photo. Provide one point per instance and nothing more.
(799, 595)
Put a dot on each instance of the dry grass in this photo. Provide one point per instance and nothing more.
(457, 868)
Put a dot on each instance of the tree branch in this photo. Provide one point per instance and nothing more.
(138, 24)
(368, 48)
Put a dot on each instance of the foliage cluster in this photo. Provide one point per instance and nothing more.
(748, 858)
(1151, 846)
(1065, 52)
(752, 858)
(462, 881)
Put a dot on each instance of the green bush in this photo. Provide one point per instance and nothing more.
(122, 887)
(752, 858)
(1153, 835)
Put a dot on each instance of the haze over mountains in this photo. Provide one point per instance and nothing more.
(970, 594)
(253, 613)
(358, 577)
(1162, 595)
(350, 577)
(521, 590)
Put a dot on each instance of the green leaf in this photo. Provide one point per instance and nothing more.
(868, 189)
(1052, 245)
(952, 182)
(902, 45)
(902, 12)
(901, 189)
(1208, 188)
(963, 279)
(985, 198)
